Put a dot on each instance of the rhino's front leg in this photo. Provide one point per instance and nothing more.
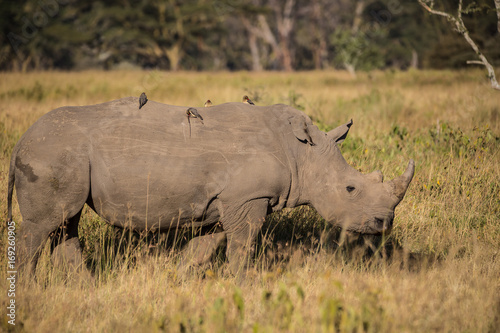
(242, 227)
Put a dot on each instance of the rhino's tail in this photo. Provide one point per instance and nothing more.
(12, 177)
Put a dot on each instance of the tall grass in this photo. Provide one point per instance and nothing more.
(438, 271)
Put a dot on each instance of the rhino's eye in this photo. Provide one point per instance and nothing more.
(350, 188)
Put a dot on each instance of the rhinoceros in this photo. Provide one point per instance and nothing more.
(151, 168)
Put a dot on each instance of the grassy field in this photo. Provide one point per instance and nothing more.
(438, 271)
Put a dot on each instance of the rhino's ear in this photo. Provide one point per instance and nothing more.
(300, 130)
(339, 134)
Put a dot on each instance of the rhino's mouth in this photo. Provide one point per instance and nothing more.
(373, 226)
(383, 225)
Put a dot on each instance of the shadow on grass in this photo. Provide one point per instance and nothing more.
(288, 238)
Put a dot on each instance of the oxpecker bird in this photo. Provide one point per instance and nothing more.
(247, 100)
(192, 112)
(142, 100)
(208, 103)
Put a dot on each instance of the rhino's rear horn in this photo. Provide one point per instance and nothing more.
(400, 184)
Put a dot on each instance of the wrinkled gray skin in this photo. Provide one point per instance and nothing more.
(141, 169)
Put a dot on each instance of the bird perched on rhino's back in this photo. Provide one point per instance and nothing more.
(193, 113)
(142, 100)
(247, 100)
(208, 103)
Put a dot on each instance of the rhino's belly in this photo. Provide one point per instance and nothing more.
(146, 194)
(169, 214)
(157, 208)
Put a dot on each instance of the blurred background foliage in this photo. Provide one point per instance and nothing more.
(239, 34)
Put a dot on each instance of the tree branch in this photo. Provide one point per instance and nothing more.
(475, 62)
(462, 29)
(497, 6)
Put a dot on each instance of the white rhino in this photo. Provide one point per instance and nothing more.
(151, 168)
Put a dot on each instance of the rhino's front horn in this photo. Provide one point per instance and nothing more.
(400, 184)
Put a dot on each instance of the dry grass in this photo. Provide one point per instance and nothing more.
(439, 270)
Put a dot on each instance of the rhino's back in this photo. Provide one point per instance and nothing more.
(119, 130)
(231, 127)
(119, 127)
(154, 160)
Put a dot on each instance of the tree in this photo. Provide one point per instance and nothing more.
(279, 40)
(316, 21)
(240, 34)
(30, 38)
(462, 29)
(154, 33)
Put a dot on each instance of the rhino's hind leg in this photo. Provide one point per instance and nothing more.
(30, 240)
(49, 202)
(242, 227)
(68, 255)
(65, 245)
(67, 252)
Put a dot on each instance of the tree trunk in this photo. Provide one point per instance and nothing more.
(174, 55)
(286, 56)
(350, 69)
(25, 64)
(358, 13)
(319, 49)
(254, 51)
(285, 22)
(497, 6)
(281, 44)
(414, 59)
(267, 35)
